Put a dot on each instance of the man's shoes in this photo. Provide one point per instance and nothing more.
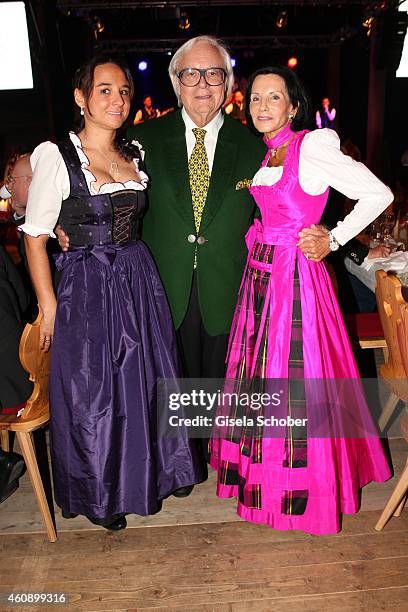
(183, 491)
(12, 466)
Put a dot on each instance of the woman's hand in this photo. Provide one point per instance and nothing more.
(63, 238)
(314, 242)
(41, 276)
(47, 328)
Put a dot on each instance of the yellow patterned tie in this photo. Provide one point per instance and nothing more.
(199, 172)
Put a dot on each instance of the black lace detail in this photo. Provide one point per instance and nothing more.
(130, 151)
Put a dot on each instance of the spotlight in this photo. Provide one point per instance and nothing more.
(282, 20)
(184, 21)
(292, 62)
(142, 66)
(233, 62)
(368, 23)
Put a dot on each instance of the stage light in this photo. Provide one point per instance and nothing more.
(142, 66)
(233, 62)
(292, 62)
(282, 20)
(368, 23)
(184, 21)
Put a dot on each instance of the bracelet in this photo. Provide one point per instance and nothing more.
(333, 244)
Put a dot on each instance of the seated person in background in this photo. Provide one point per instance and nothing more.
(15, 386)
(16, 184)
(147, 112)
(353, 295)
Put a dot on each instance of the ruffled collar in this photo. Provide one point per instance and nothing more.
(105, 187)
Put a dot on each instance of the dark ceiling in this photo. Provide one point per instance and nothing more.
(158, 26)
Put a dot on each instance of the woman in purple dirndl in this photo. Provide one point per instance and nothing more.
(113, 336)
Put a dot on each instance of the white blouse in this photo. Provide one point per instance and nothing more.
(50, 185)
(322, 164)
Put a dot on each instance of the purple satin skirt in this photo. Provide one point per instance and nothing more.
(114, 339)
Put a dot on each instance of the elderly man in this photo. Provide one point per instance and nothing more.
(197, 220)
(17, 182)
(16, 185)
(15, 386)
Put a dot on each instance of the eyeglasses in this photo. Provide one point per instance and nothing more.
(190, 77)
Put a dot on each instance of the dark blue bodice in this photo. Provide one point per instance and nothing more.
(109, 218)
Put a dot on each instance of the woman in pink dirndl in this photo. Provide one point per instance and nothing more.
(288, 326)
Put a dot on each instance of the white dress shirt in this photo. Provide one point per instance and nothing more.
(211, 136)
(50, 186)
(322, 164)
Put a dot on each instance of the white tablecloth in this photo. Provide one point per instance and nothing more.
(396, 262)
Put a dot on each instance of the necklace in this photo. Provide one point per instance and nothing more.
(114, 169)
(274, 150)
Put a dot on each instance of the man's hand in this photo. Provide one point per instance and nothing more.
(63, 238)
(314, 242)
(19, 209)
(379, 251)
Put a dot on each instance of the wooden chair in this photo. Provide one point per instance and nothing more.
(392, 310)
(35, 415)
(366, 332)
(364, 328)
(398, 497)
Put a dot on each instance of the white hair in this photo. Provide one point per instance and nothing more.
(187, 46)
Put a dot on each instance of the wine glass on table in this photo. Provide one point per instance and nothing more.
(375, 233)
(387, 226)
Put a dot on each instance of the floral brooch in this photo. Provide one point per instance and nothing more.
(244, 184)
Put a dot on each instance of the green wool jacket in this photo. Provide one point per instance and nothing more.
(226, 216)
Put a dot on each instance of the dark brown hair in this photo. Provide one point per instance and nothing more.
(297, 93)
(84, 81)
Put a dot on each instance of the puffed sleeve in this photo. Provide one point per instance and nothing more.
(323, 164)
(49, 187)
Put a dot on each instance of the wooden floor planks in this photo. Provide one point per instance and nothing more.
(181, 562)
(228, 566)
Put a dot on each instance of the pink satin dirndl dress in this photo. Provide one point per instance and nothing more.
(288, 326)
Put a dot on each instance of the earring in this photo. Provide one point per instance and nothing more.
(291, 117)
(82, 111)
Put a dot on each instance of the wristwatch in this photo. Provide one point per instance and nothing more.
(333, 244)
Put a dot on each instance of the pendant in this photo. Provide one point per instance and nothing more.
(114, 168)
(274, 152)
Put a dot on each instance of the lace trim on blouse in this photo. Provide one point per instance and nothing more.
(109, 187)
